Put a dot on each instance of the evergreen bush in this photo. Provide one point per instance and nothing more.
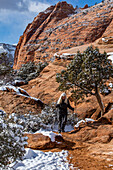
(11, 141)
(31, 70)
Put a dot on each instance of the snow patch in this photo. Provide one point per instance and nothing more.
(30, 154)
(83, 122)
(89, 120)
(35, 159)
(18, 91)
(50, 134)
(103, 39)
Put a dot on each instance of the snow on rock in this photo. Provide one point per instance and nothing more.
(83, 122)
(111, 85)
(64, 55)
(103, 39)
(78, 124)
(19, 82)
(18, 91)
(50, 134)
(110, 56)
(2, 113)
(89, 120)
(9, 49)
(35, 159)
(2, 88)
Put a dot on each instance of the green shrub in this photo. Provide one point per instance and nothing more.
(11, 141)
(31, 70)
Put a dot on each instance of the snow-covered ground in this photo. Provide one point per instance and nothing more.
(38, 160)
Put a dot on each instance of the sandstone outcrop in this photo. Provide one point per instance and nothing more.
(21, 103)
(45, 86)
(90, 108)
(93, 144)
(60, 27)
(95, 132)
(40, 141)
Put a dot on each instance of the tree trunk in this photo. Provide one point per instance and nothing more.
(99, 100)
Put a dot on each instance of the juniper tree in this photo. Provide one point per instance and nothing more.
(31, 70)
(86, 74)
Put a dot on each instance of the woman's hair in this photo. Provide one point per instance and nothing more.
(60, 98)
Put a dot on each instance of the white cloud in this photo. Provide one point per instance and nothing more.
(13, 22)
(37, 7)
(19, 4)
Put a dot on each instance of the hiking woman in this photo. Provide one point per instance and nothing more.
(62, 105)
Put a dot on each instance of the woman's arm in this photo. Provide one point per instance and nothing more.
(69, 106)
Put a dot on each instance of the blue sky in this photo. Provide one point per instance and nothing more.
(16, 14)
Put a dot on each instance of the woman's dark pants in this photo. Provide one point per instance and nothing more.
(62, 118)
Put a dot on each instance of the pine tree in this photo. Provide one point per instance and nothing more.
(86, 74)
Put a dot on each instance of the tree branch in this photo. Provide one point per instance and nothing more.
(84, 89)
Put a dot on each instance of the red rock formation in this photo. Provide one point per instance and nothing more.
(11, 102)
(85, 7)
(52, 14)
(54, 30)
(40, 141)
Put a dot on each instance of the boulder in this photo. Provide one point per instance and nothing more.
(93, 133)
(40, 141)
(19, 83)
(21, 104)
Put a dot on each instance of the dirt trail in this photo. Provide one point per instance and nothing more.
(80, 156)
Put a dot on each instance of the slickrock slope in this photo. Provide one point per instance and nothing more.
(62, 27)
(45, 86)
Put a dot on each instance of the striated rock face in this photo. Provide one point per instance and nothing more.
(30, 41)
(61, 27)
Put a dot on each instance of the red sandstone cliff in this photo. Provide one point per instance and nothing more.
(61, 27)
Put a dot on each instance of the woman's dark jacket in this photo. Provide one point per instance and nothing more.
(63, 107)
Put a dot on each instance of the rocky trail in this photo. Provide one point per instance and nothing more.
(89, 148)
(82, 156)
